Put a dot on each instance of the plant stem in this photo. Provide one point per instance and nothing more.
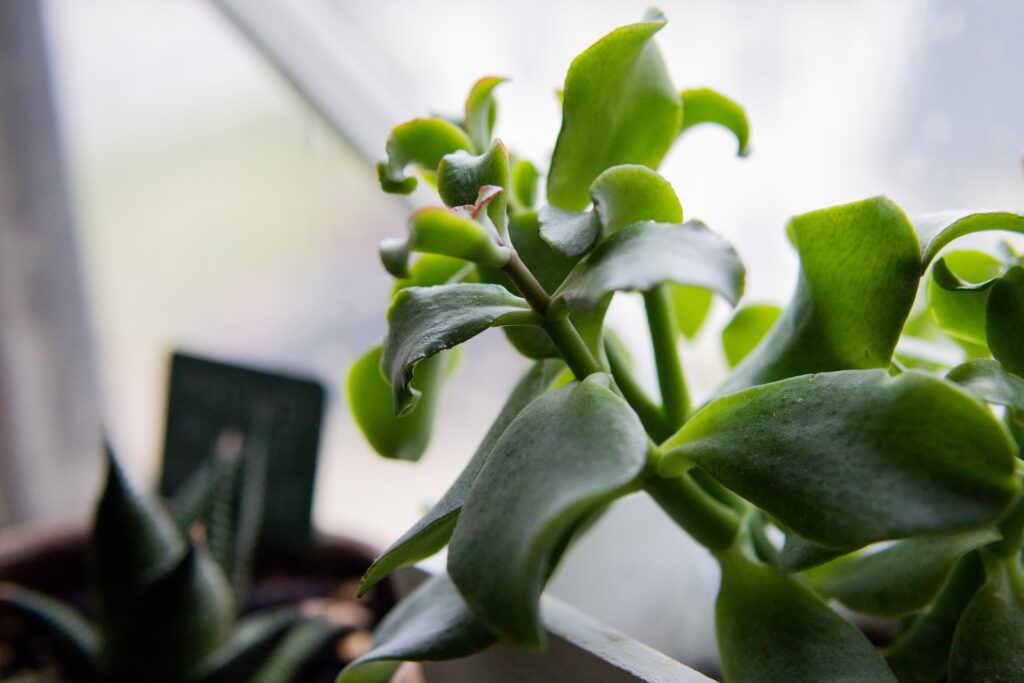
(649, 412)
(709, 522)
(661, 320)
(527, 284)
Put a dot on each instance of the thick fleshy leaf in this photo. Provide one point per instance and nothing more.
(959, 309)
(619, 107)
(369, 395)
(432, 532)
(691, 306)
(629, 193)
(251, 642)
(986, 379)
(524, 184)
(425, 320)
(987, 647)
(1005, 326)
(421, 142)
(772, 629)
(921, 652)
(746, 329)
(440, 231)
(704, 105)
(431, 624)
(295, 653)
(460, 178)
(859, 271)
(524, 502)
(848, 458)
(900, 579)
(936, 230)
(799, 554)
(648, 254)
(570, 233)
(482, 110)
(74, 640)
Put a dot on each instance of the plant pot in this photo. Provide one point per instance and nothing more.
(53, 560)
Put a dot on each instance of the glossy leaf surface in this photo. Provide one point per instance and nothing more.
(859, 268)
(746, 329)
(421, 142)
(898, 580)
(960, 312)
(481, 111)
(440, 231)
(647, 254)
(1005, 326)
(432, 623)
(772, 629)
(431, 533)
(629, 193)
(704, 105)
(987, 646)
(936, 230)
(425, 320)
(570, 233)
(619, 107)
(848, 458)
(460, 178)
(986, 379)
(525, 501)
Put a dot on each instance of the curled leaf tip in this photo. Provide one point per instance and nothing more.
(394, 254)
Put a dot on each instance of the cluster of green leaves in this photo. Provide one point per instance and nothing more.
(168, 603)
(896, 486)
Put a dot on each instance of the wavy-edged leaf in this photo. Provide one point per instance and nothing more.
(524, 501)
(251, 642)
(432, 623)
(772, 629)
(986, 379)
(482, 111)
(425, 320)
(852, 457)
(570, 233)
(176, 623)
(746, 329)
(619, 107)
(936, 230)
(630, 193)
(644, 255)
(402, 437)
(420, 142)
(524, 184)
(900, 579)
(431, 533)
(434, 230)
(133, 542)
(75, 640)
(461, 177)
(691, 306)
(987, 644)
(1004, 328)
(921, 652)
(296, 651)
(704, 105)
(958, 293)
(859, 271)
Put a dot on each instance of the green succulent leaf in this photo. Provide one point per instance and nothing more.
(482, 111)
(421, 142)
(434, 269)
(402, 437)
(461, 177)
(1004, 328)
(524, 502)
(799, 554)
(425, 320)
(987, 643)
(644, 255)
(852, 457)
(524, 184)
(900, 579)
(771, 628)
(432, 532)
(75, 641)
(989, 381)
(936, 230)
(434, 230)
(629, 193)
(570, 233)
(691, 306)
(746, 329)
(619, 107)
(859, 271)
(297, 650)
(432, 623)
(133, 542)
(252, 640)
(958, 293)
(704, 105)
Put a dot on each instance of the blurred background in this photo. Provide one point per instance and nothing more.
(211, 205)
